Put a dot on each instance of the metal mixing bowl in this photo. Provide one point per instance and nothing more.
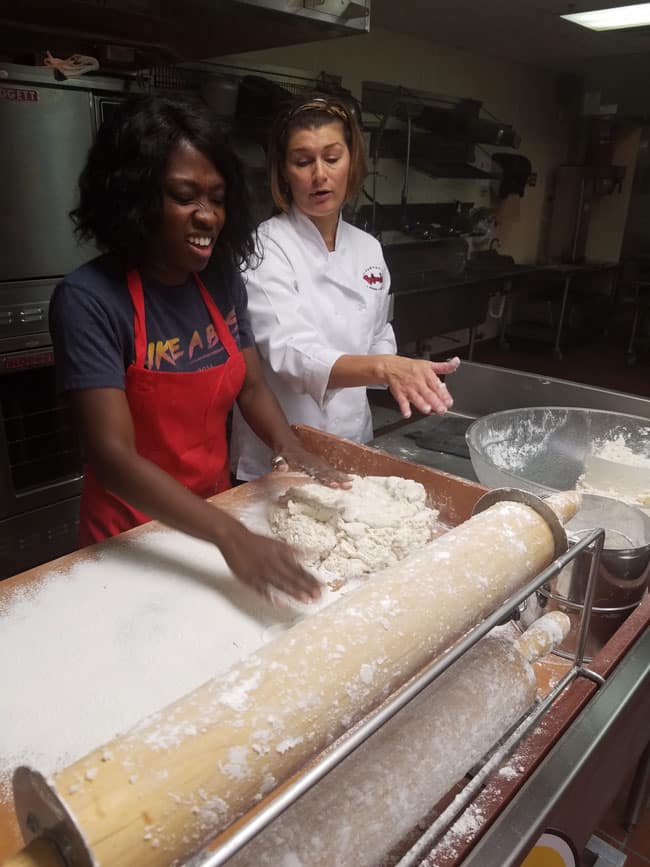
(621, 581)
(544, 449)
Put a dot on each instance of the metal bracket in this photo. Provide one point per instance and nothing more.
(598, 679)
(43, 814)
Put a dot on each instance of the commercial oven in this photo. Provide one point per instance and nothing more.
(47, 129)
(40, 463)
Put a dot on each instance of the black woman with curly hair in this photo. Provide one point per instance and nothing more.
(151, 356)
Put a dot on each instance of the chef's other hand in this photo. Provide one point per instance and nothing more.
(263, 563)
(300, 460)
(414, 382)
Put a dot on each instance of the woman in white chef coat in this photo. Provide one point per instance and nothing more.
(318, 301)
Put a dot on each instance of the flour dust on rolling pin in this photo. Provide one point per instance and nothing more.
(279, 707)
(370, 803)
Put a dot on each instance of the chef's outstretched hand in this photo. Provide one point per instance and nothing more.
(300, 460)
(415, 382)
(265, 563)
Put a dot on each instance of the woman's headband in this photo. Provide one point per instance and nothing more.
(318, 104)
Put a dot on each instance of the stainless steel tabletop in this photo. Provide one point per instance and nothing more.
(479, 389)
(401, 443)
(572, 786)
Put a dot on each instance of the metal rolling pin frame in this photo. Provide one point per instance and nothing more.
(64, 831)
(462, 800)
(350, 741)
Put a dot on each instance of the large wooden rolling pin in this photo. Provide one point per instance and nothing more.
(156, 795)
(367, 805)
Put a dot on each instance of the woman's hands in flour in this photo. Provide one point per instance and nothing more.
(415, 382)
(265, 563)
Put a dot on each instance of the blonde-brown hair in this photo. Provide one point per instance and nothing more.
(308, 112)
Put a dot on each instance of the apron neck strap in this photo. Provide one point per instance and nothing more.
(134, 283)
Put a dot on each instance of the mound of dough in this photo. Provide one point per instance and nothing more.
(373, 524)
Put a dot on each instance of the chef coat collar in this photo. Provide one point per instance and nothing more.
(309, 232)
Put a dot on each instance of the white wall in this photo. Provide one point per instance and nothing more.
(515, 93)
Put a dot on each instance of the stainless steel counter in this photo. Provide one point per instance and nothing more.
(479, 389)
(482, 388)
(578, 778)
(400, 443)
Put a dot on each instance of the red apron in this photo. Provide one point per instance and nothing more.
(179, 421)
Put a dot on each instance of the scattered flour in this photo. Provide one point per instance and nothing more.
(126, 631)
(513, 447)
(375, 523)
(626, 477)
(507, 772)
(115, 639)
(368, 805)
(619, 451)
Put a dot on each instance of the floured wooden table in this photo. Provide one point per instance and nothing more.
(252, 621)
(145, 618)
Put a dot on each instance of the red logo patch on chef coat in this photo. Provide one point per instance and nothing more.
(374, 277)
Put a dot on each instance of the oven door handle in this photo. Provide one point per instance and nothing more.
(34, 314)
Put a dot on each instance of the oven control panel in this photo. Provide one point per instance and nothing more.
(24, 307)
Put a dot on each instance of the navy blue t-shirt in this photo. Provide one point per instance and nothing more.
(91, 320)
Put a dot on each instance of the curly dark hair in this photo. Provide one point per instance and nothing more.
(121, 185)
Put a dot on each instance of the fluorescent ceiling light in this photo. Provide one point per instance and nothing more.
(617, 18)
